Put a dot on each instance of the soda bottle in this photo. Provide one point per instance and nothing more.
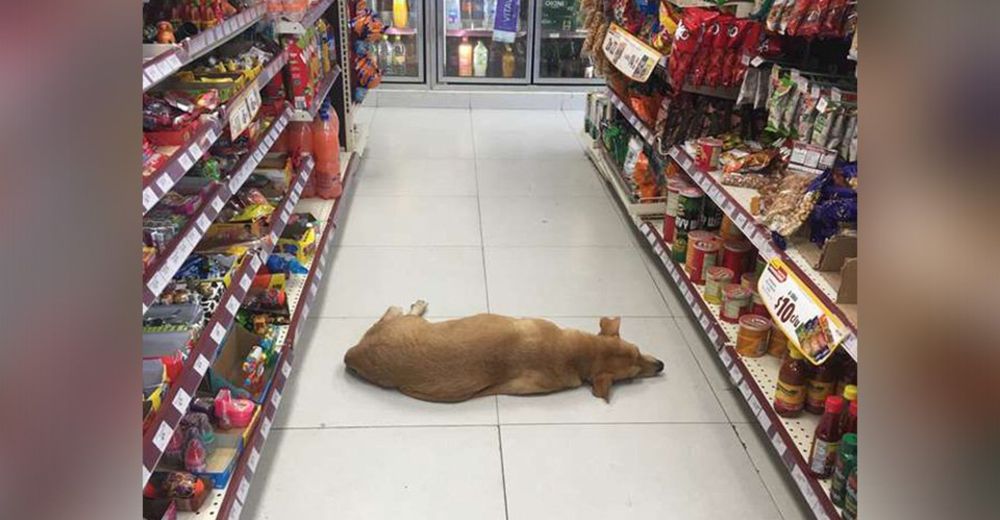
(398, 57)
(480, 59)
(300, 141)
(400, 14)
(326, 151)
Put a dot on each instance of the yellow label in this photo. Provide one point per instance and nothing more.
(819, 391)
(792, 395)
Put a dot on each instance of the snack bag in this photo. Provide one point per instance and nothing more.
(686, 41)
(748, 49)
(717, 55)
(792, 17)
(774, 15)
(735, 31)
(813, 20)
(712, 34)
(832, 24)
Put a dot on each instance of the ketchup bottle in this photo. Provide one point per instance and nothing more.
(790, 394)
(849, 423)
(823, 453)
(819, 386)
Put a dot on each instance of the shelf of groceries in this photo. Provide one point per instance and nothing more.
(299, 15)
(309, 110)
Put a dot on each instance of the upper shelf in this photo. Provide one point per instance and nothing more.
(285, 25)
(309, 113)
(481, 32)
(162, 60)
(637, 123)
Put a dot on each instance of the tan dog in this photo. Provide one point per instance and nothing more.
(488, 354)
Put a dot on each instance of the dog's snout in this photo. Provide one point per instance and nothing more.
(659, 366)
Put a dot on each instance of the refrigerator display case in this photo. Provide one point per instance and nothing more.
(484, 41)
(558, 41)
(400, 53)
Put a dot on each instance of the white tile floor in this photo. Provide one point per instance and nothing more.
(499, 210)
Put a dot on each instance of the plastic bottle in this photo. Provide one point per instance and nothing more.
(326, 151)
(300, 141)
(823, 453)
(467, 21)
(509, 62)
(850, 396)
(790, 394)
(850, 511)
(465, 58)
(480, 59)
(400, 14)
(399, 57)
(847, 461)
(383, 50)
(821, 384)
(850, 421)
(453, 15)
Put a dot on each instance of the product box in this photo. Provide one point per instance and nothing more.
(299, 71)
(174, 137)
(227, 370)
(159, 509)
(299, 238)
(228, 84)
(221, 461)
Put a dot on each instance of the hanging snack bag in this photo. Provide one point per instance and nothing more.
(748, 90)
(804, 124)
(793, 16)
(735, 31)
(748, 50)
(686, 41)
(702, 61)
(814, 19)
(777, 11)
(717, 56)
(832, 23)
(780, 98)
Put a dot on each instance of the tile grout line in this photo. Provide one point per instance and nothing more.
(760, 475)
(508, 425)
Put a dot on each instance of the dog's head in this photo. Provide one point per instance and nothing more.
(618, 360)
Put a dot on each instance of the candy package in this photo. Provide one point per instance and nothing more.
(712, 38)
(686, 42)
(735, 32)
(814, 19)
(793, 15)
(748, 50)
(775, 14)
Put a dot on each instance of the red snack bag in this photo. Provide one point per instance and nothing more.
(710, 37)
(717, 59)
(790, 24)
(686, 41)
(735, 31)
(833, 19)
(748, 49)
(813, 20)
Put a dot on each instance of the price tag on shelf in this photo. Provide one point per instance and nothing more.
(165, 182)
(286, 214)
(145, 475)
(217, 204)
(745, 389)
(800, 314)
(218, 333)
(158, 282)
(210, 136)
(203, 222)
(685, 162)
(740, 220)
(239, 117)
(253, 458)
(173, 61)
(286, 368)
(253, 100)
(754, 406)
(714, 336)
(765, 421)
(297, 190)
(201, 365)
(629, 54)
(163, 69)
(258, 155)
(233, 305)
(778, 443)
(181, 401)
(162, 437)
(245, 282)
(305, 307)
(276, 398)
(269, 140)
(319, 275)
(704, 324)
(243, 489)
(850, 344)
(274, 238)
(312, 290)
(149, 198)
(265, 427)
(658, 248)
(230, 26)
(735, 374)
(255, 263)
(146, 82)
(727, 206)
(195, 150)
(235, 510)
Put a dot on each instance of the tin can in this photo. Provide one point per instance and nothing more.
(705, 254)
(713, 216)
(735, 255)
(777, 344)
(689, 209)
(708, 151)
(678, 248)
(749, 281)
(716, 278)
(728, 229)
(735, 302)
(674, 186)
(757, 305)
(695, 235)
(761, 265)
(751, 340)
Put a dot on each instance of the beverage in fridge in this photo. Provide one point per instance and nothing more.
(482, 44)
(403, 61)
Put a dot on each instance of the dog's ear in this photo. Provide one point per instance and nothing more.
(601, 386)
(609, 326)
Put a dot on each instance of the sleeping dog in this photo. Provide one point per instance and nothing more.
(488, 354)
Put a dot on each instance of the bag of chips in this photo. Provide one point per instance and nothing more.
(686, 42)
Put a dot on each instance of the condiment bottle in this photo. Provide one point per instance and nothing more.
(850, 424)
(823, 453)
(851, 500)
(790, 394)
(847, 461)
(820, 385)
(848, 374)
(850, 396)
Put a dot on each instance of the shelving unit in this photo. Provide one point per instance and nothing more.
(640, 126)
(212, 336)
(162, 60)
(307, 114)
(228, 503)
(614, 175)
(283, 25)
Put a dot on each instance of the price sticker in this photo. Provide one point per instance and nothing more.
(217, 204)
(144, 309)
(298, 189)
(265, 427)
(734, 373)
(778, 443)
(253, 100)
(850, 344)
(233, 305)
(210, 136)
(765, 421)
(230, 25)
(165, 182)
(800, 314)
(286, 368)
(658, 248)
(740, 220)
(145, 475)
(726, 358)
(146, 82)
(163, 69)
(727, 206)
(181, 401)
(201, 365)
(714, 336)
(235, 510)
(756, 61)
(195, 150)
(664, 257)
(274, 238)
(629, 54)
(253, 459)
(258, 155)
(218, 333)
(276, 398)
(245, 282)
(823, 104)
(243, 489)
(158, 282)
(745, 389)
(235, 183)
(312, 290)
(269, 140)
(149, 198)
(254, 263)
(305, 308)
(319, 276)
(151, 71)
(239, 118)
(704, 323)
(173, 61)
(162, 437)
(286, 214)
(203, 222)
(754, 406)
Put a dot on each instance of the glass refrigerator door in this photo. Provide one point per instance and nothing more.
(559, 35)
(400, 53)
(478, 43)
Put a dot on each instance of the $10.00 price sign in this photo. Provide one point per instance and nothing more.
(809, 325)
(629, 54)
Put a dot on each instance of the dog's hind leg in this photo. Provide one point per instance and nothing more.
(418, 308)
(392, 312)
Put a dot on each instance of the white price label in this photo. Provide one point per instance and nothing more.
(312, 290)
(754, 406)
(286, 214)
(165, 182)
(274, 238)
(740, 220)
(241, 491)
(726, 358)
(763, 419)
(235, 510)
(276, 398)
(146, 82)
(269, 140)
(239, 117)
(297, 190)
(756, 61)
(319, 275)
(158, 282)
(252, 459)
(658, 248)
(704, 323)
(778, 443)
(218, 333)
(245, 282)
(734, 373)
(727, 206)
(235, 183)
(255, 263)
(233, 305)
(201, 365)
(745, 389)
(162, 437)
(210, 136)
(217, 204)
(286, 368)
(253, 100)
(149, 198)
(305, 312)
(164, 69)
(822, 105)
(685, 162)
(258, 155)
(629, 54)
(145, 475)
(265, 427)
(195, 150)
(203, 222)
(181, 401)
(799, 312)
(714, 336)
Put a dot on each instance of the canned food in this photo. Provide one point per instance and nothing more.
(695, 235)
(705, 253)
(735, 255)
(751, 340)
(708, 151)
(716, 278)
(777, 343)
(674, 186)
(735, 302)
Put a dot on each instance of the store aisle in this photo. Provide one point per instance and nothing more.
(501, 211)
